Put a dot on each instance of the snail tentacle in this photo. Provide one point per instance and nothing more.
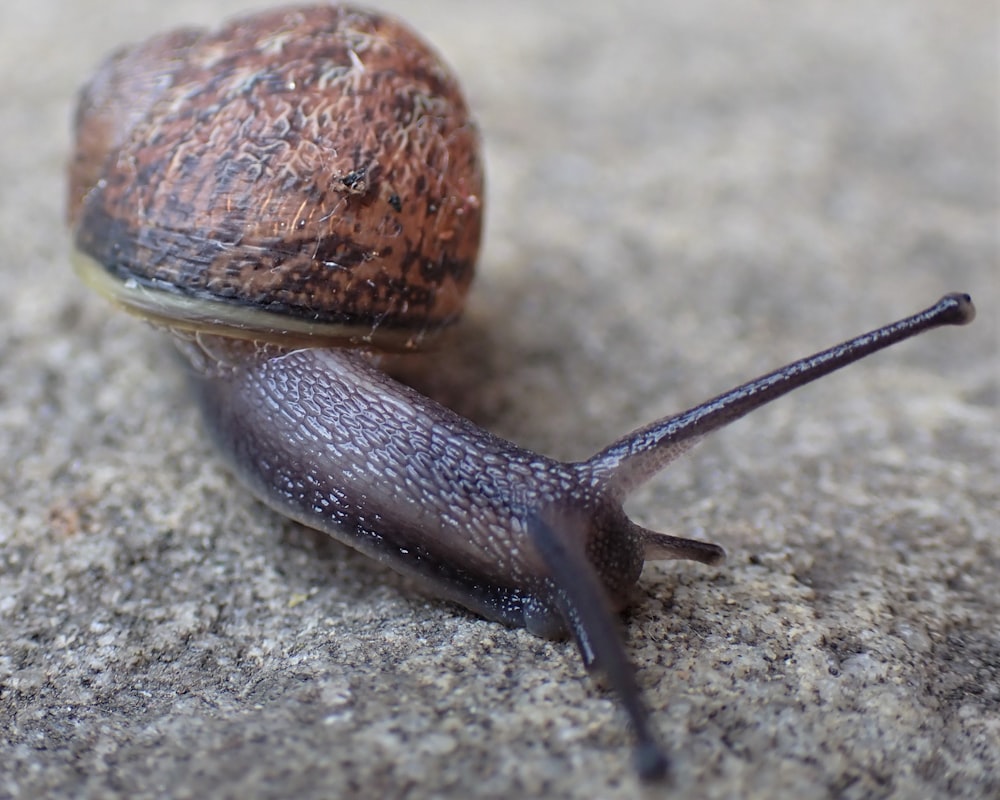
(635, 458)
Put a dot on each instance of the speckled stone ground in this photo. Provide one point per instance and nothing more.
(681, 196)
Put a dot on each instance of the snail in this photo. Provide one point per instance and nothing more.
(293, 194)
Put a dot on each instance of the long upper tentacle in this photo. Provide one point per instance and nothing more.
(632, 460)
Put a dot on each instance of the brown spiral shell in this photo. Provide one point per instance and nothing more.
(295, 171)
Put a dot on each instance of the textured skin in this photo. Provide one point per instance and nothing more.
(326, 438)
(318, 162)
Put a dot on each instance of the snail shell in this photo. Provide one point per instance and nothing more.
(302, 172)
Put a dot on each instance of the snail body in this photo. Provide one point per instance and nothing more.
(302, 188)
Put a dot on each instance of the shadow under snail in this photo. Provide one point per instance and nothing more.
(301, 189)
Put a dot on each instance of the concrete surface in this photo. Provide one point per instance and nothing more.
(682, 195)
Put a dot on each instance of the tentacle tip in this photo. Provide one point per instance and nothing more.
(664, 547)
(652, 763)
(960, 309)
(715, 556)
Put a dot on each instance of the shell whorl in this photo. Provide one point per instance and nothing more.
(319, 164)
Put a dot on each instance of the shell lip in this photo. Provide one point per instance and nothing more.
(205, 314)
